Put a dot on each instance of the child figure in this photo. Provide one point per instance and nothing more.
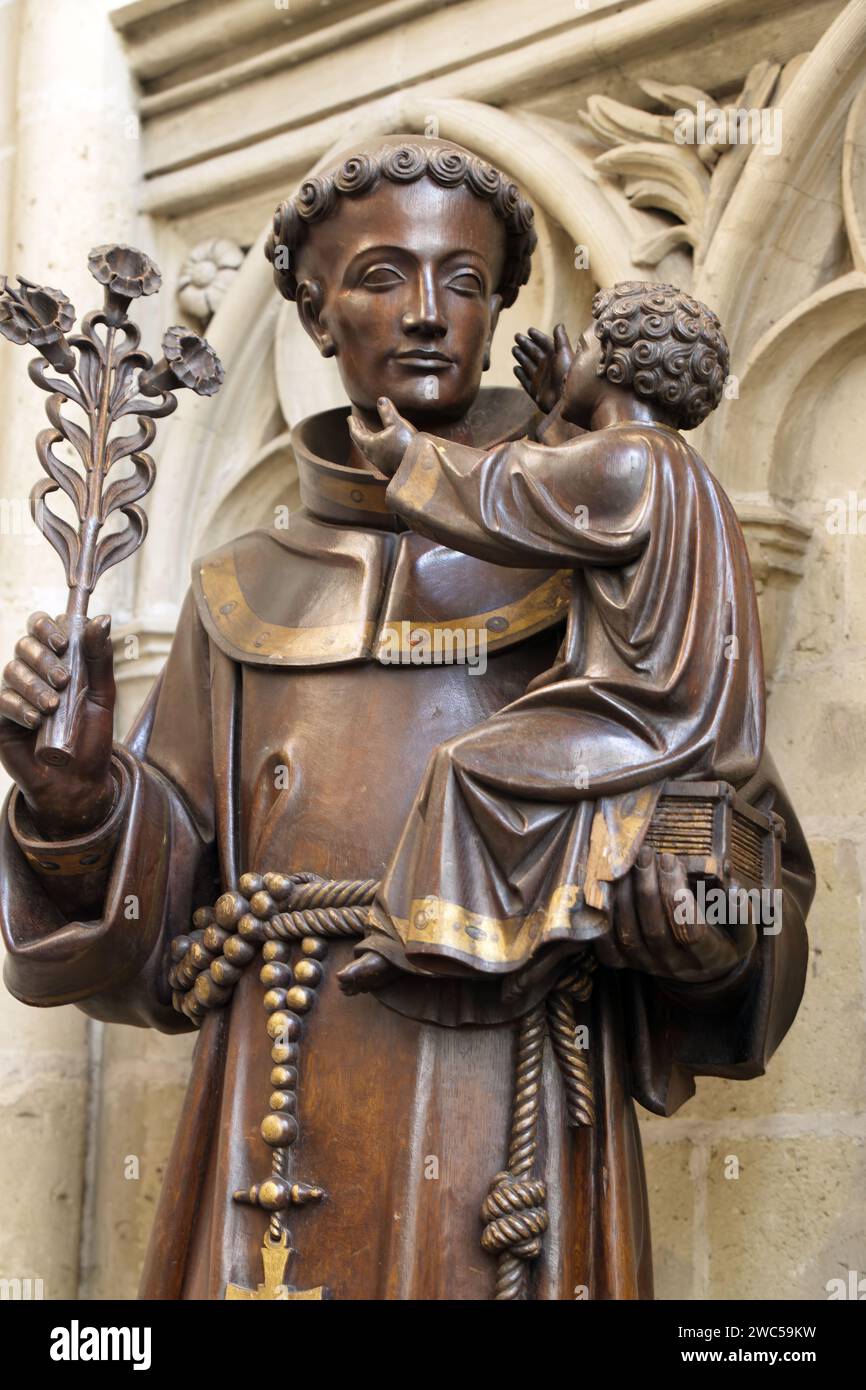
(523, 825)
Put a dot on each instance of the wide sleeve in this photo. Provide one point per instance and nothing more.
(589, 500)
(88, 922)
(731, 1027)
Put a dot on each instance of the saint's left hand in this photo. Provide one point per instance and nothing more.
(659, 929)
(384, 448)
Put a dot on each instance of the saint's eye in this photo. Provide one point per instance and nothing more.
(381, 277)
(466, 281)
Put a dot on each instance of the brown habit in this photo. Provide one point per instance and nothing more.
(274, 665)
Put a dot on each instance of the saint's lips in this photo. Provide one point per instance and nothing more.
(424, 357)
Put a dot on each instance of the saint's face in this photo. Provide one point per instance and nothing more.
(409, 275)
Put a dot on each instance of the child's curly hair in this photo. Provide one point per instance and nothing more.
(665, 345)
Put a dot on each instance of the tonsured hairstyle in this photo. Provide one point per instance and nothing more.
(445, 163)
(665, 345)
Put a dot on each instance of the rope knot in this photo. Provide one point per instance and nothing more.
(514, 1216)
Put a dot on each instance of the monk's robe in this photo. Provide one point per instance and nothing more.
(275, 669)
(521, 826)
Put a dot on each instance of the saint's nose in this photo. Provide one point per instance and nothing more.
(424, 316)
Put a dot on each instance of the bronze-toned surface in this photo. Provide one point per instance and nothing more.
(284, 755)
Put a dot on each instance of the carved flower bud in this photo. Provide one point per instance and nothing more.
(39, 316)
(187, 360)
(127, 274)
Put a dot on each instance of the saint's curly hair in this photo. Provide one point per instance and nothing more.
(445, 163)
(665, 345)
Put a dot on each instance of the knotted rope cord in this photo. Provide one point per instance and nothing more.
(273, 908)
(513, 1212)
(573, 1062)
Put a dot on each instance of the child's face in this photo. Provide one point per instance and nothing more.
(583, 385)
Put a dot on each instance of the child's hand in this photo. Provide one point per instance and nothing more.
(384, 448)
(543, 364)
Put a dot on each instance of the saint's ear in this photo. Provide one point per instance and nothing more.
(495, 308)
(310, 299)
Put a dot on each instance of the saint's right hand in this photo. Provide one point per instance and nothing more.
(64, 802)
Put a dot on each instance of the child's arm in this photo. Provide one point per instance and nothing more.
(587, 501)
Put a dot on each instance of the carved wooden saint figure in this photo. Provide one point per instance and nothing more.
(452, 888)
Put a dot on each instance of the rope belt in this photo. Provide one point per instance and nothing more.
(268, 915)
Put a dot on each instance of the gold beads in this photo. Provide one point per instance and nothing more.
(274, 999)
(314, 946)
(307, 972)
(300, 999)
(286, 1101)
(276, 973)
(284, 1025)
(279, 1130)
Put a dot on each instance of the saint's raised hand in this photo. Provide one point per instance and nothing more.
(384, 448)
(658, 927)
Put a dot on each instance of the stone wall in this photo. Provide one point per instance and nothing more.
(756, 1188)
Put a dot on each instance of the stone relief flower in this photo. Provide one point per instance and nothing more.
(206, 276)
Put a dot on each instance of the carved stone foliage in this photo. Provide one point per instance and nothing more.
(685, 162)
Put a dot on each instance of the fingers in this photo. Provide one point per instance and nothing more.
(47, 631)
(388, 412)
(18, 710)
(678, 900)
(628, 927)
(529, 350)
(359, 432)
(541, 340)
(30, 652)
(99, 658)
(524, 380)
(668, 957)
(560, 340)
(523, 359)
(25, 682)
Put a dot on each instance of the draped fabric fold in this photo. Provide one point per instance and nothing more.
(522, 823)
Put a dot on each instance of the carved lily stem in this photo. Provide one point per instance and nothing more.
(56, 737)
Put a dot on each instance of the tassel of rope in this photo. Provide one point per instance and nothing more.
(513, 1211)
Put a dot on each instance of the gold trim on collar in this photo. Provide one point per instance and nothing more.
(244, 630)
(249, 633)
(354, 496)
(536, 610)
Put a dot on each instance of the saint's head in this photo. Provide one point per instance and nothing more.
(399, 258)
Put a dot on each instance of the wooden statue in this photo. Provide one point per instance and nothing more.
(469, 895)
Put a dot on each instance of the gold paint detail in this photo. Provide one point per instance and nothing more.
(513, 621)
(496, 940)
(275, 1257)
(249, 633)
(354, 496)
(70, 863)
(617, 827)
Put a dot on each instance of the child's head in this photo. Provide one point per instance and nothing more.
(659, 343)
